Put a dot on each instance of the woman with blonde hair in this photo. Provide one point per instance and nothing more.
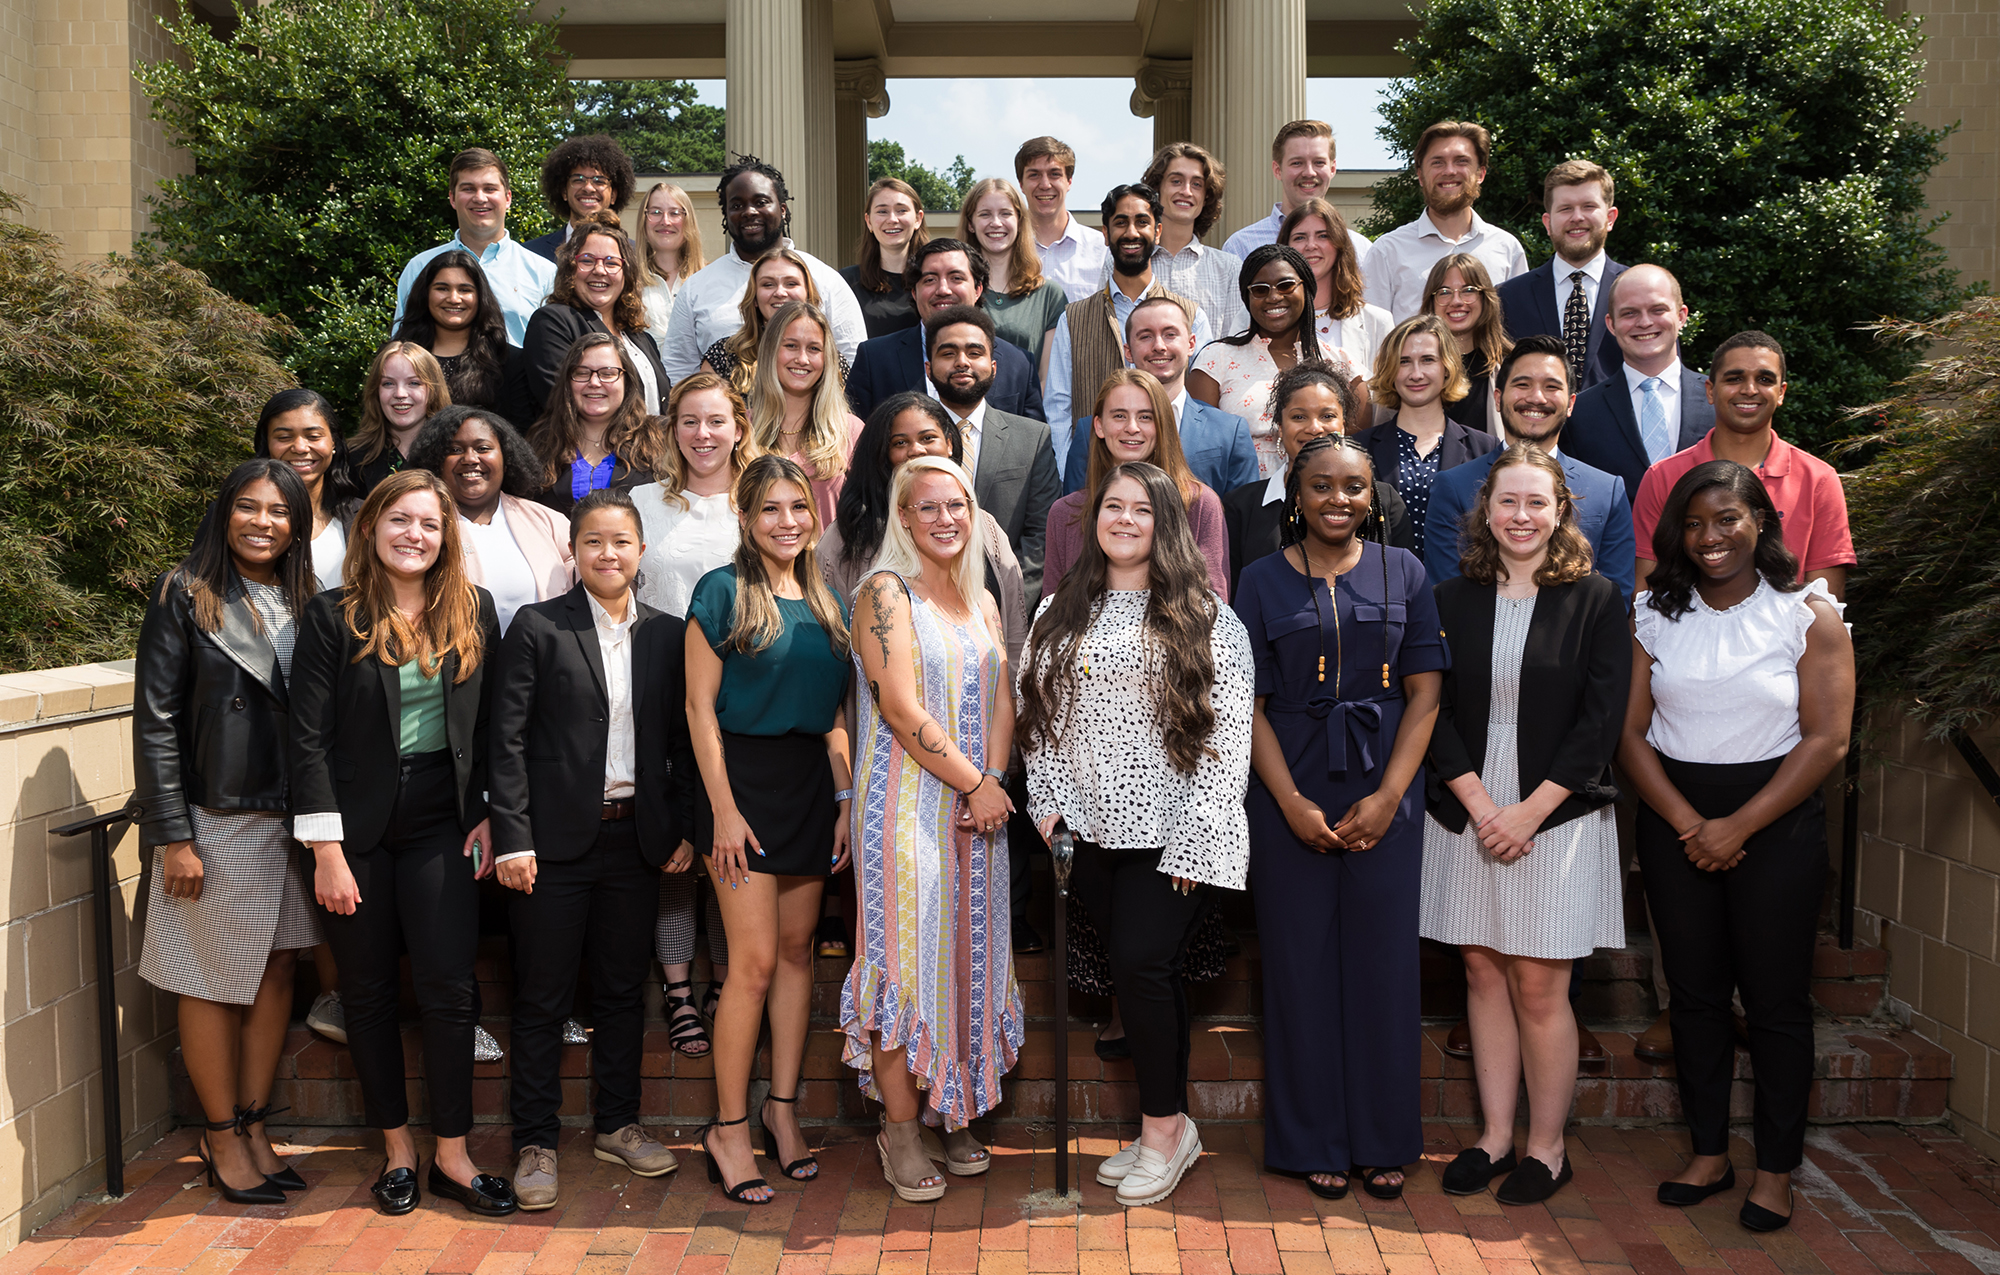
(892, 227)
(404, 385)
(669, 252)
(777, 278)
(798, 402)
(1024, 305)
(595, 433)
(1417, 374)
(1460, 292)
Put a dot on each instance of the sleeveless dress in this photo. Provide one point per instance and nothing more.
(935, 969)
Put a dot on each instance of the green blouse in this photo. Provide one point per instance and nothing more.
(423, 710)
(798, 683)
(1027, 321)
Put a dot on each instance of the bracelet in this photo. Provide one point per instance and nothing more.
(998, 776)
(845, 794)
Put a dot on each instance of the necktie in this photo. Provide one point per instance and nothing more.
(1576, 326)
(1653, 422)
(969, 445)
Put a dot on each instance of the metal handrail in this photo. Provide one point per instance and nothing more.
(99, 827)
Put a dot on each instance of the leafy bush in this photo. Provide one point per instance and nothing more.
(1760, 152)
(1926, 519)
(320, 132)
(126, 393)
(940, 192)
(658, 122)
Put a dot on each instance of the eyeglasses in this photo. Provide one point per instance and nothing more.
(1283, 288)
(608, 375)
(589, 182)
(586, 260)
(932, 510)
(665, 214)
(1447, 294)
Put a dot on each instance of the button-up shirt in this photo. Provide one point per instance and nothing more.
(706, 310)
(1206, 276)
(971, 427)
(1056, 391)
(1265, 230)
(1593, 276)
(1668, 391)
(520, 280)
(1400, 263)
(1077, 259)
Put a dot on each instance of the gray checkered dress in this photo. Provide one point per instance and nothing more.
(255, 898)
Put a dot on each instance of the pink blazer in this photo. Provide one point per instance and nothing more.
(544, 541)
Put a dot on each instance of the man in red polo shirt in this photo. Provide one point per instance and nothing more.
(1746, 385)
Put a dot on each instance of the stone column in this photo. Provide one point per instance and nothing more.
(860, 94)
(764, 55)
(1163, 93)
(1249, 81)
(1210, 90)
(813, 217)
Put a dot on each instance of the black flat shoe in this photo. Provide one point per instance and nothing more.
(488, 1196)
(1115, 1049)
(1681, 1195)
(1470, 1173)
(1532, 1183)
(286, 1179)
(1027, 942)
(396, 1191)
(1755, 1217)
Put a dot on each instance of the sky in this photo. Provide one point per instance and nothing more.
(985, 120)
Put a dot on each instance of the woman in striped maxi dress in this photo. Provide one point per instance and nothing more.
(931, 1011)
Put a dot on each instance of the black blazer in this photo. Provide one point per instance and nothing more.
(1255, 528)
(1458, 446)
(1528, 308)
(1576, 675)
(210, 716)
(531, 375)
(1603, 430)
(346, 718)
(550, 736)
(887, 365)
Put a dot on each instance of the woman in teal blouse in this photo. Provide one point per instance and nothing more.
(767, 674)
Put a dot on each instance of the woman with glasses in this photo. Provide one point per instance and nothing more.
(1235, 373)
(669, 252)
(596, 432)
(1460, 292)
(596, 290)
(892, 227)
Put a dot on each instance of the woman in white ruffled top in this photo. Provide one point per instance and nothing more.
(1742, 701)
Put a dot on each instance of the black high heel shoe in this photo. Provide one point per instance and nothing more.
(287, 1178)
(265, 1192)
(808, 1161)
(715, 1172)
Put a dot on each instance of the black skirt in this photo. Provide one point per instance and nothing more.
(783, 785)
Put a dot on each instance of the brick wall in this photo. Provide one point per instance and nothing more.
(1929, 891)
(1962, 85)
(66, 752)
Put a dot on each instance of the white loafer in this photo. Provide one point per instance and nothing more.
(1153, 1177)
(1114, 1168)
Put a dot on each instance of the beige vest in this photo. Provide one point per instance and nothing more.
(1097, 343)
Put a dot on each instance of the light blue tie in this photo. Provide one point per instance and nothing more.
(1653, 422)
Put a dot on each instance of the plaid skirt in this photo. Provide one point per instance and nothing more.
(255, 900)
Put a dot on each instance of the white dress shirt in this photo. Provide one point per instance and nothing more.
(1265, 230)
(706, 310)
(1400, 263)
(971, 428)
(1077, 259)
(1593, 276)
(1668, 392)
(520, 280)
(1056, 390)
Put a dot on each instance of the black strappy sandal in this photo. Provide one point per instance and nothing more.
(1332, 1190)
(287, 1178)
(1385, 1191)
(685, 1033)
(808, 1161)
(715, 1171)
(709, 1000)
(265, 1192)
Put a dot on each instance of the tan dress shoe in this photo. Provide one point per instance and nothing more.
(1656, 1043)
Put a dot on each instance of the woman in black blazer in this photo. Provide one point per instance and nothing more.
(1417, 373)
(593, 783)
(1520, 845)
(228, 906)
(389, 718)
(596, 290)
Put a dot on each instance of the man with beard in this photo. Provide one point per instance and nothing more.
(1302, 161)
(1535, 394)
(941, 273)
(1450, 166)
(1085, 348)
(756, 216)
(1565, 295)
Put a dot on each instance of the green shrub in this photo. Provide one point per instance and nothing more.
(1759, 148)
(127, 391)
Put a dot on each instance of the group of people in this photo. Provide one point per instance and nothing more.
(646, 579)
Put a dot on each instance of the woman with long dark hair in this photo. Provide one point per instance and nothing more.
(228, 907)
(1741, 701)
(389, 712)
(454, 314)
(299, 427)
(1135, 716)
(596, 432)
(1345, 636)
(892, 218)
(596, 292)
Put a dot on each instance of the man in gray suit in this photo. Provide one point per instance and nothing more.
(1655, 407)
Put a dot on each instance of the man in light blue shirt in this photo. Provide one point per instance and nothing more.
(480, 196)
(1302, 161)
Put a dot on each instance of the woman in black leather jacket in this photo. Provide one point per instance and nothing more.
(229, 903)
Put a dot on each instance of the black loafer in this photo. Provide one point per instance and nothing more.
(396, 1191)
(488, 1196)
(1681, 1195)
(1532, 1183)
(286, 1179)
(1473, 1169)
(1113, 1050)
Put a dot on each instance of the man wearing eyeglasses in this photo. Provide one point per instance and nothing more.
(581, 178)
(480, 196)
(1564, 297)
(1450, 164)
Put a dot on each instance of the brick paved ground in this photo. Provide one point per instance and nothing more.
(1876, 1198)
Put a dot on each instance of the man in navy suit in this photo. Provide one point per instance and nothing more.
(1564, 296)
(943, 272)
(1654, 406)
(1159, 337)
(1535, 396)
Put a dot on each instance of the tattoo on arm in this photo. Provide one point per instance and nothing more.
(935, 746)
(882, 624)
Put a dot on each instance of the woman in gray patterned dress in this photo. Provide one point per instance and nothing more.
(229, 906)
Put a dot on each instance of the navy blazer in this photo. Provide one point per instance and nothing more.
(1528, 306)
(1603, 430)
(546, 245)
(888, 365)
(1602, 510)
(1459, 446)
(1216, 443)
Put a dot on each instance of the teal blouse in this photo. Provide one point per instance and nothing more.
(1027, 321)
(798, 683)
(423, 710)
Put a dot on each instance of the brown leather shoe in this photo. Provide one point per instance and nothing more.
(1589, 1053)
(1656, 1043)
(1458, 1043)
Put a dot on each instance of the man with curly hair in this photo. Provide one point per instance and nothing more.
(580, 178)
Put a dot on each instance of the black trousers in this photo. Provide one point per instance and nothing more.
(598, 907)
(1751, 927)
(417, 893)
(1146, 925)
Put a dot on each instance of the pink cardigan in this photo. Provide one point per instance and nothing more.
(1064, 541)
(544, 540)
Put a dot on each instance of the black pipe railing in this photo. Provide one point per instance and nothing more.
(99, 827)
